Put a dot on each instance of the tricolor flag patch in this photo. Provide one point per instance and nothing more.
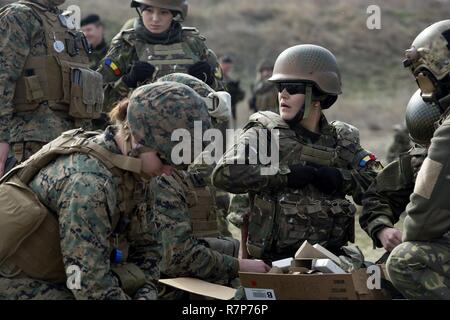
(113, 66)
(369, 157)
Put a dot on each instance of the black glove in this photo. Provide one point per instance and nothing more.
(140, 71)
(328, 180)
(203, 71)
(300, 176)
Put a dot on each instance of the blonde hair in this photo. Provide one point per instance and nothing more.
(118, 114)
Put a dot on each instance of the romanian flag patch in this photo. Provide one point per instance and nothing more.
(369, 157)
(111, 64)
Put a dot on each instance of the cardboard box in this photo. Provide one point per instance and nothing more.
(350, 286)
(327, 266)
(315, 286)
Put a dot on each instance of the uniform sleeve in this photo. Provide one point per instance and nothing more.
(113, 67)
(385, 200)
(428, 213)
(146, 251)
(357, 180)
(17, 28)
(241, 171)
(84, 218)
(183, 254)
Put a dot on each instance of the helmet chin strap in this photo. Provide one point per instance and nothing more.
(305, 110)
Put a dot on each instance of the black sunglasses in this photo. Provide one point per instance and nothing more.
(291, 88)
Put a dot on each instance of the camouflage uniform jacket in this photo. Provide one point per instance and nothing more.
(265, 97)
(22, 36)
(98, 53)
(387, 197)
(127, 47)
(183, 254)
(85, 196)
(305, 214)
(428, 215)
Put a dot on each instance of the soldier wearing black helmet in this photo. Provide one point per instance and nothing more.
(418, 267)
(155, 46)
(387, 197)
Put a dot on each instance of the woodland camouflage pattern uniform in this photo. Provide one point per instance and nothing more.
(400, 144)
(420, 267)
(22, 37)
(86, 195)
(284, 216)
(174, 51)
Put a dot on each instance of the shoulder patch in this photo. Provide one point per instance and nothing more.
(113, 66)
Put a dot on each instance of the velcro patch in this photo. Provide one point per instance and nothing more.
(427, 178)
(369, 157)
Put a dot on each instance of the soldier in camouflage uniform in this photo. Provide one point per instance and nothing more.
(219, 108)
(93, 29)
(387, 197)
(231, 85)
(157, 45)
(303, 196)
(401, 144)
(96, 184)
(419, 267)
(44, 65)
(264, 93)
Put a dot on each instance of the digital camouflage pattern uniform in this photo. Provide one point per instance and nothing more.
(420, 267)
(184, 254)
(31, 118)
(86, 197)
(387, 197)
(305, 214)
(176, 53)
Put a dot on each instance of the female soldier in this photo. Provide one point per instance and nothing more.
(320, 162)
(186, 215)
(156, 45)
(84, 208)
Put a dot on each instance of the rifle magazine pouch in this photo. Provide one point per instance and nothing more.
(131, 278)
(86, 94)
(29, 234)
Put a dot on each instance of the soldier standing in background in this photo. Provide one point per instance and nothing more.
(94, 31)
(231, 86)
(37, 103)
(401, 144)
(264, 93)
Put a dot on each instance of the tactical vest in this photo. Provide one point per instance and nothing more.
(201, 204)
(280, 222)
(29, 232)
(176, 57)
(62, 77)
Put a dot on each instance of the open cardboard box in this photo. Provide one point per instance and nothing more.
(350, 286)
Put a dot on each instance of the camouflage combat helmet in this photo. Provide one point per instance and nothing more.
(218, 103)
(313, 65)
(180, 6)
(156, 110)
(429, 58)
(420, 119)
